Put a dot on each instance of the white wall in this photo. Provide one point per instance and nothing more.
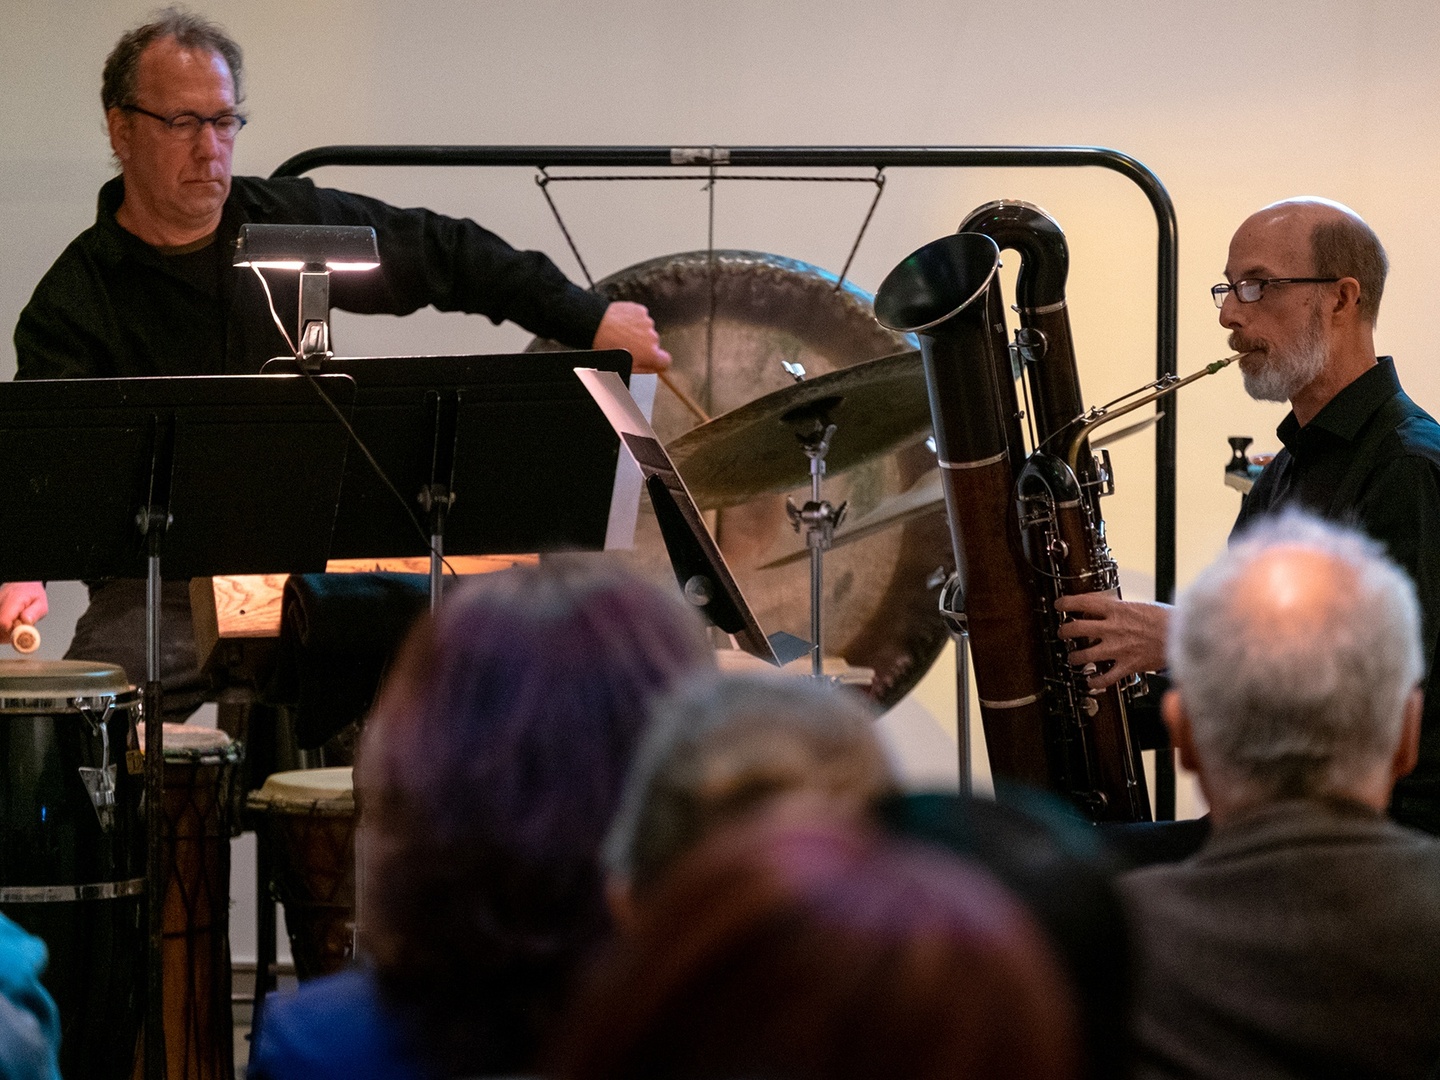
(1231, 104)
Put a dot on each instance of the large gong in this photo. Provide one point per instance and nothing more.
(729, 323)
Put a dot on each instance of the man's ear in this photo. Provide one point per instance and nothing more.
(1349, 295)
(117, 122)
(1177, 722)
(1407, 753)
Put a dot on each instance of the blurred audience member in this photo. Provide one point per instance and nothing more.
(792, 947)
(721, 748)
(487, 775)
(1054, 862)
(1303, 940)
(29, 1021)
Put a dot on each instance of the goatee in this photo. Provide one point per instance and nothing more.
(1286, 370)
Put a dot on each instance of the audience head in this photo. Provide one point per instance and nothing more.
(790, 946)
(1054, 863)
(487, 775)
(1296, 658)
(720, 748)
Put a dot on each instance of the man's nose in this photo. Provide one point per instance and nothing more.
(1230, 312)
(205, 144)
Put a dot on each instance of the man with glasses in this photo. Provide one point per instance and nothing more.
(149, 288)
(1301, 297)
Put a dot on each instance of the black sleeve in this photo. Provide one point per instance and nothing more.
(62, 332)
(455, 265)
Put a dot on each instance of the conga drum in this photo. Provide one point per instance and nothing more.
(72, 848)
(199, 815)
(307, 820)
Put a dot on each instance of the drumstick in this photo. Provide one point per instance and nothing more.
(24, 638)
(685, 399)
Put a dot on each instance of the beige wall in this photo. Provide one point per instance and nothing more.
(1231, 104)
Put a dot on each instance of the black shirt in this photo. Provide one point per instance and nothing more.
(113, 305)
(1371, 458)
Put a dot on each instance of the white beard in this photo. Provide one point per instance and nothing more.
(1285, 372)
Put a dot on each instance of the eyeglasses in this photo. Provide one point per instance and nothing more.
(187, 125)
(1251, 289)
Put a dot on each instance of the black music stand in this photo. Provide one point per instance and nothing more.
(699, 566)
(221, 474)
(504, 454)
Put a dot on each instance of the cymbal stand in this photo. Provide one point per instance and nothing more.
(952, 611)
(819, 520)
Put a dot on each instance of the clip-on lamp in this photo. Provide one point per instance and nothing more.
(314, 250)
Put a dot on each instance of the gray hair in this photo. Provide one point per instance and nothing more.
(1347, 247)
(1294, 654)
(724, 746)
(191, 31)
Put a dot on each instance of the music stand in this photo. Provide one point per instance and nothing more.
(503, 454)
(223, 474)
(699, 566)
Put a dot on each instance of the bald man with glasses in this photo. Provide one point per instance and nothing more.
(1301, 297)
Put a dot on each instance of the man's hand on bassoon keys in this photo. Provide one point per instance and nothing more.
(1131, 634)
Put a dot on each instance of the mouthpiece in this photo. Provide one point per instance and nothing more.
(1211, 369)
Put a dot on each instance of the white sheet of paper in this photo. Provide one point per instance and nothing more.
(625, 496)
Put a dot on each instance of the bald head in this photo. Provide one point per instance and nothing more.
(1295, 655)
(1320, 238)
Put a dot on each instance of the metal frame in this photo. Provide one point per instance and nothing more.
(871, 157)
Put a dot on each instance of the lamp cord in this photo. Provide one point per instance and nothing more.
(345, 422)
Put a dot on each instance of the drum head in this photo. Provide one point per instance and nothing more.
(302, 789)
(32, 683)
(193, 742)
(880, 606)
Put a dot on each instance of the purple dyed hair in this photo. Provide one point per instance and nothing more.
(488, 775)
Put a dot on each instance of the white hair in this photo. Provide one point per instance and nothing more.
(1294, 654)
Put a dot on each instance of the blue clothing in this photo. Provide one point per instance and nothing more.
(29, 1021)
(339, 1027)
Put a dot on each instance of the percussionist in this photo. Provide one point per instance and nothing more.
(1301, 297)
(149, 288)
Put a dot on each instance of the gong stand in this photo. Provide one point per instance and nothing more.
(719, 162)
(817, 518)
(189, 465)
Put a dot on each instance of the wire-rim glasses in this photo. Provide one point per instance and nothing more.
(1249, 290)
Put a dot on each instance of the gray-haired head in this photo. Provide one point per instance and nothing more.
(1294, 654)
(122, 66)
(722, 747)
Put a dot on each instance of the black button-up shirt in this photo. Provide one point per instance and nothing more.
(1371, 458)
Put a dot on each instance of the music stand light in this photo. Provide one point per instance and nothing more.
(315, 251)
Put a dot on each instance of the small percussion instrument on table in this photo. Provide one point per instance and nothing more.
(200, 814)
(72, 848)
(305, 821)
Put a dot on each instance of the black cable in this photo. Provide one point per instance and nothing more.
(350, 430)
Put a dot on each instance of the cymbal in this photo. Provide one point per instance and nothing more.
(927, 496)
(876, 406)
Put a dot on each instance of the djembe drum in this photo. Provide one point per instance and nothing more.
(306, 818)
(199, 816)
